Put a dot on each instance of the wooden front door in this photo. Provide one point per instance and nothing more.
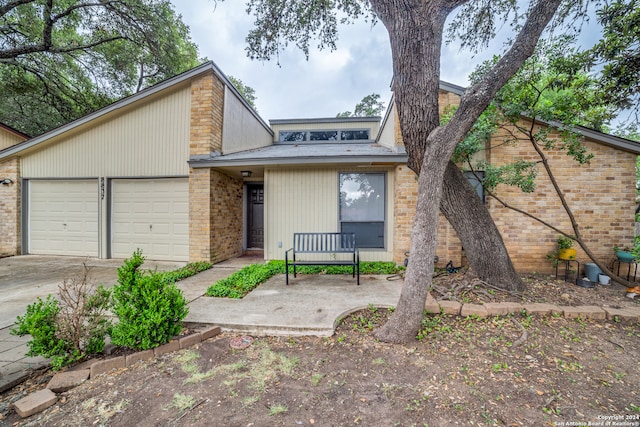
(255, 217)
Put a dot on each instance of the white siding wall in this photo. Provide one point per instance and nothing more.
(7, 139)
(388, 133)
(241, 130)
(306, 200)
(149, 140)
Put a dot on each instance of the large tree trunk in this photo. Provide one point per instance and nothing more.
(415, 30)
(481, 240)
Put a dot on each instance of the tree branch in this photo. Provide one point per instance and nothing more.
(481, 93)
(12, 5)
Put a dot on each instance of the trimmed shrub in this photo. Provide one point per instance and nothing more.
(149, 306)
(70, 329)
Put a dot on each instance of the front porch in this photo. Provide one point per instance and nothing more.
(310, 305)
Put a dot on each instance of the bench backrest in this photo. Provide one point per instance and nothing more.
(324, 242)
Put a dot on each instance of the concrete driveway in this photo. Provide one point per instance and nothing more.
(25, 278)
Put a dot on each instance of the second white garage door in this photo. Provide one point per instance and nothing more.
(150, 214)
(63, 217)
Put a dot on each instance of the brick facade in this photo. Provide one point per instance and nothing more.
(207, 104)
(215, 199)
(10, 207)
(226, 216)
(601, 195)
(404, 208)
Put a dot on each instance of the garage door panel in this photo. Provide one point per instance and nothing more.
(150, 214)
(63, 217)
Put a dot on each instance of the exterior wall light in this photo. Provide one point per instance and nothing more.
(6, 181)
(246, 174)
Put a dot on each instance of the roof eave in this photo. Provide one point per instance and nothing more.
(303, 160)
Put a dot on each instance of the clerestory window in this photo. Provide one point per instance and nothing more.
(332, 135)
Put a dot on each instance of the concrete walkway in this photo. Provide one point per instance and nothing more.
(310, 305)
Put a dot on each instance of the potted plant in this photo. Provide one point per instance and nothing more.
(624, 254)
(565, 250)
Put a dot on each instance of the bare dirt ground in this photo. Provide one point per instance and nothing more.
(462, 371)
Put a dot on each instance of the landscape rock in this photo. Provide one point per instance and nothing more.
(35, 402)
(63, 381)
(106, 365)
(473, 310)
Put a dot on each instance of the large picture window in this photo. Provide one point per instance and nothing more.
(362, 207)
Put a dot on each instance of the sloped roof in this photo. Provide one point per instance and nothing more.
(125, 102)
(322, 153)
(594, 135)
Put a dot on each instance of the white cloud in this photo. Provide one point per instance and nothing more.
(326, 84)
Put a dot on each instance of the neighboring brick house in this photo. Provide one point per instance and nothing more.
(9, 193)
(187, 170)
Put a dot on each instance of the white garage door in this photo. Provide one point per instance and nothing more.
(63, 217)
(150, 214)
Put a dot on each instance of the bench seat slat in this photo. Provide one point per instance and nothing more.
(334, 262)
(323, 243)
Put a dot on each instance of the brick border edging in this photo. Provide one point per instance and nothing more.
(39, 401)
(594, 312)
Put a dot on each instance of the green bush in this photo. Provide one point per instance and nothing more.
(149, 306)
(69, 329)
(245, 280)
(40, 322)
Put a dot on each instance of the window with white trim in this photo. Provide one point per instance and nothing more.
(362, 207)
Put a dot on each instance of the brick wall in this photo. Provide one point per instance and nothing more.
(215, 199)
(405, 196)
(404, 209)
(200, 215)
(10, 208)
(226, 216)
(601, 195)
(207, 103)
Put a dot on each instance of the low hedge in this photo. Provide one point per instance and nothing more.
(248, 278)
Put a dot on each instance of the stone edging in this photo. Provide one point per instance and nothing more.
(628, 314)
(63, 381)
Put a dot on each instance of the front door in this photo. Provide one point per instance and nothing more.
(255, 217)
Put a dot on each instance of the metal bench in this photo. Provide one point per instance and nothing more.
(323, 243)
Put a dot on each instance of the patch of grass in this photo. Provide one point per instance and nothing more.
(249, 401)
(186, 356)
(497, 367)
(188, 270)
(197, 376)
(182, 402)
(244, 281)
(277, 409)
(248, 278)
(103, 410)
(316, 378)
(268, 366)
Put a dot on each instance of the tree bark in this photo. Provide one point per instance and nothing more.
(415, 31)
(481, 239)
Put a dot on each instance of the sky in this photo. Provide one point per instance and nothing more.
(328, 82)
